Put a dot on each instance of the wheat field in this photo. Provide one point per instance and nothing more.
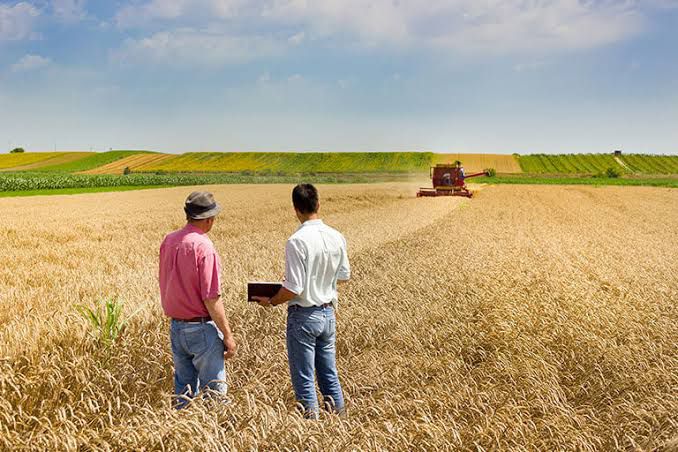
(133, 162)
(30, 160)
(527, 318)
(38, 161)
(474, 163)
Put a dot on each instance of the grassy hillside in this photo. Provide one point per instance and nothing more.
(91, 162)
(597, 163)
(302, 162)
(114, 162)
(651, 164)
(567, 163)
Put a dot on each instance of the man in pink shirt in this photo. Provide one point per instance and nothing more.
(190, 288)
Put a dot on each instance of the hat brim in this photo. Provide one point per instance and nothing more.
(209, 214)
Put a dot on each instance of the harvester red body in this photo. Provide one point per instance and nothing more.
(448, 180)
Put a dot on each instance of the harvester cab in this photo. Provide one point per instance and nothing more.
(449, 180)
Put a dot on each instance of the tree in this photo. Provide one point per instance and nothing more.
(17, 151)
(612, 173)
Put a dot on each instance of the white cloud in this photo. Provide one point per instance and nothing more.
(199, 47)
(489, 26)
(466, 25)
(134, 15)
(30, 63)
(69, 10)
(16, 22)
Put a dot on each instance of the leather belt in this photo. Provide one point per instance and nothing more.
(194, 319)
(324, 306)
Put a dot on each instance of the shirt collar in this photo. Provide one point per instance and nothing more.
(190, 228)
(315, 222)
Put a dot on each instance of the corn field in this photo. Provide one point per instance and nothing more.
(13, 182)
(528, 318)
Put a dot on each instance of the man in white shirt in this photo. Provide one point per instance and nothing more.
(315, 259)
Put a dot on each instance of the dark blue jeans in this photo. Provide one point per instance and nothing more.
(311, 336)
(198, 351)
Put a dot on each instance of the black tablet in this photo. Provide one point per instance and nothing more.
(262, 289)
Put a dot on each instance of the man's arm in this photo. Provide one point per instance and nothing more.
(210, 287)
(283, 296)
(344, 271)
(218, 314)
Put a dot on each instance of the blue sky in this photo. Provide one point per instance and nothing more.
(340, 75)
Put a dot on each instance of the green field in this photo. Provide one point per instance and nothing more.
(35, 175)
(567, 163)
(597, 163)
(571, 180)
(12, 184)
(651, 164)
(266, 163)
(91, 162)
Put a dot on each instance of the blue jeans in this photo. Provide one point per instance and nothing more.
(198, 351)
(311, 336)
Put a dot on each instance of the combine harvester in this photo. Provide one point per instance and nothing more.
(449, 180)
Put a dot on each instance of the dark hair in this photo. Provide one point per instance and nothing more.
(305, 198)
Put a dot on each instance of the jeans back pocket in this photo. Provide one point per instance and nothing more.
(196, 342)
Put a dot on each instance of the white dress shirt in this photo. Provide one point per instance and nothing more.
(315, 258)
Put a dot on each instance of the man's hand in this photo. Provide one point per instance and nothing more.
(216, 310)
(283, 296)
(230, 348)
(263, 301)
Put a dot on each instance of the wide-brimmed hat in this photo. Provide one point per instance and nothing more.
(201, 205)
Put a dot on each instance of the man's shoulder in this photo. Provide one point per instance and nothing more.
(303, 238)
(299, 236)
(184, 238)
(334, 232)
(203, 245)
(172, 237)
(309, 235)
(331, 229)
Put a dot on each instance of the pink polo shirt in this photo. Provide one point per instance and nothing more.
(189, 273)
